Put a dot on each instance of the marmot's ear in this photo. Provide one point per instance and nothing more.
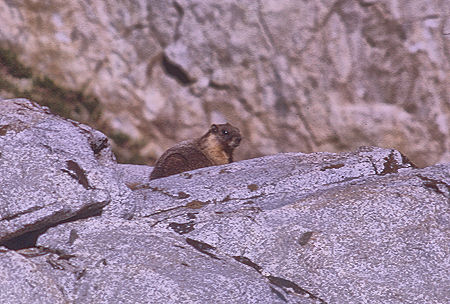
(214, 128)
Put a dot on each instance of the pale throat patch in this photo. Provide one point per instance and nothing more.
(211, 149)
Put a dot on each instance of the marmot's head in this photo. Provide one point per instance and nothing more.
(226, 134)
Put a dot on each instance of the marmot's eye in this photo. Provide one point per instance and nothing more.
(224, 132)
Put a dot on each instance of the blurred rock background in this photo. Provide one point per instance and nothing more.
(292, 75)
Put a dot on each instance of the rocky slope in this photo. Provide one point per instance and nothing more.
(76, 227)
(292, 75)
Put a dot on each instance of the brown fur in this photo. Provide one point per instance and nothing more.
(212, 149)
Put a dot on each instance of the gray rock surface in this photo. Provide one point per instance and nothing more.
(268, 182)
(292, 75)
(380, 237)
(120, 261)
(376, 239)
(22, 281)
(133, 175)
(51, 170)
(355, 227)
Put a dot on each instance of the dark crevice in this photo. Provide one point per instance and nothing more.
(248, 262)
(41, 250)
(392, 166)
(375, 169)
(287, 285)
(175, 71)
(191, 215)
(163, 211)
(202, 247)
(98, 146)
(304, 239)
(182, 228)
(3, 130)
(334, 166)
(365, 4)
(433, 184)
(252, 187)
(28, 239)
(80, 274)
(73, 236)
(180, 195)
(180, 12)
(75, 171)
(196, 204)
(278, 294)
(19, 214)
(218, 86)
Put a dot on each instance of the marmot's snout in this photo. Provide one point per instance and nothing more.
(235, 141)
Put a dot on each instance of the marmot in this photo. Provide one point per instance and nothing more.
(212, 149)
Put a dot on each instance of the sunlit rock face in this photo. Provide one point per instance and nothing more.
(365, 226)
(292, 75)
(52, 170)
